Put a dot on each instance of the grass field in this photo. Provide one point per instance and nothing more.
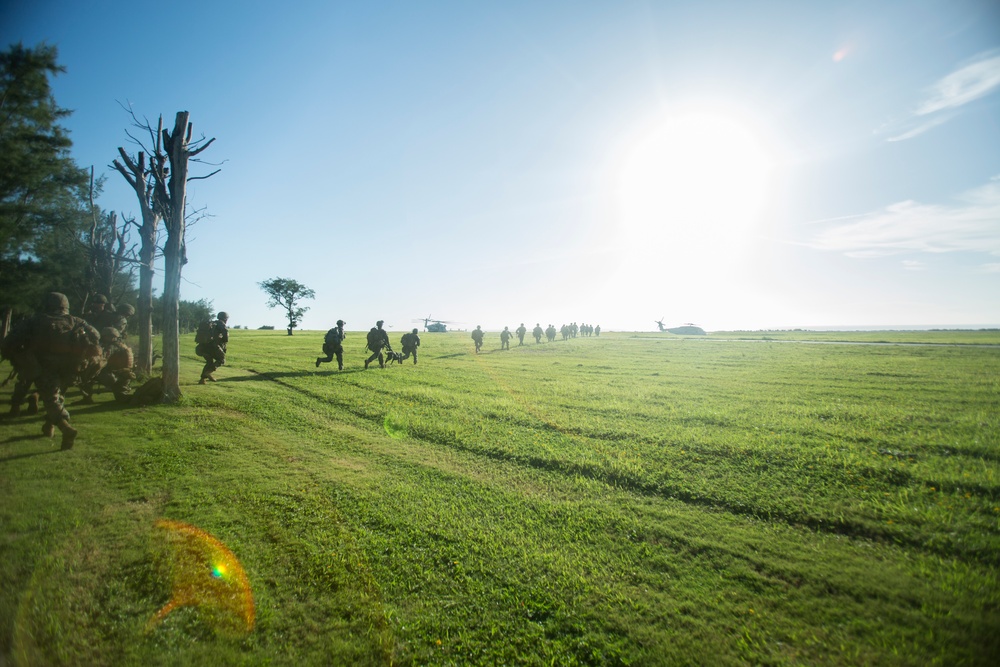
(629, 499)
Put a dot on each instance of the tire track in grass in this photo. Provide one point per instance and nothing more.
(661, 488)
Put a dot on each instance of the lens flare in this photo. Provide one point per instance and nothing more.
(205, 574)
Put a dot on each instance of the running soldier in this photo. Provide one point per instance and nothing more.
(51, 350)
(477, 338)
(537, 332)
(410, 342)
(520, 331)
(550, 333)
(378, 340)
(212, 339)
(333, 346)
(505, 337)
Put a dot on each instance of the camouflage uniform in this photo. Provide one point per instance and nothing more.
(333, 346)
(505, 337)
(116, 372)
(120, 320)
(214, 351)
(537, 333)
(56, 348)
(520, 331)
(99, 315)
(377, 340)
(15, 349)
(410, 343)
(477, 338)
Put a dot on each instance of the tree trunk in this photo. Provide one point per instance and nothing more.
(144, 302)
(174, 255)
(144, 312)
(5, 321)
(135, 173)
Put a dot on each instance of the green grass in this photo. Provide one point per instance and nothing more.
(627, 499)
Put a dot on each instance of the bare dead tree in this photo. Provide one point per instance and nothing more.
(108, 250)
(179, 149)
(148, 182)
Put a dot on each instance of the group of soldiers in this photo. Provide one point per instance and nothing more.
(377, 341)
(54, 350)
(567, 330)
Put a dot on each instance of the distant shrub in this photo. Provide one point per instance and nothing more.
(266, 327)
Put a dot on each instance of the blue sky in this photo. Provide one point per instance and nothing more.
(732, 164)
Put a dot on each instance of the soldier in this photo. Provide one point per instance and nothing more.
(520, 331)
(537, 332)
(121, 317)
(550, 333)
(597, 330)
(97, 314)
(378, 340)
(477, 338)
(410, 343)
(53, 348)
(333, 345)
(505, 337)
(214, 337)
(15, 349)
(115, 371)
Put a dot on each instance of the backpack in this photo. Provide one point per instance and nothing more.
(204, 333)
(374, 339)
(333, 337)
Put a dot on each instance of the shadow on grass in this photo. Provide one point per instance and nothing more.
(29, 454)
(257, 376)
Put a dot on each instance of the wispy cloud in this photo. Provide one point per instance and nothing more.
(971, 225)
(992, 267)
(974, 80)
(963, 85)
(919, 128)
(913, 265)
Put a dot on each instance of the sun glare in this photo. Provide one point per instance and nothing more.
(694, 180)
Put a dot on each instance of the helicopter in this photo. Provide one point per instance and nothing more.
(688, 329)
(434, 326)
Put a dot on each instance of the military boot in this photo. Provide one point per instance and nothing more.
(68, 434)
(15, 410)
(33, 404)
(48, 430)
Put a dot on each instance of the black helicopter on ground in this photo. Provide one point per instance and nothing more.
(688, 329)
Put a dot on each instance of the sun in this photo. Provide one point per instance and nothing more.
(695, 180)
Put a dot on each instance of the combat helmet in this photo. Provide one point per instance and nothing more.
(127, 310)
(56, 302)
(223, 316)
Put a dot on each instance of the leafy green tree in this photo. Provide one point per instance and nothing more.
(287, 293)
(189, 314)
(42, 191)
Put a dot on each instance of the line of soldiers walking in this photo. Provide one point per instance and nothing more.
(567, 331)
